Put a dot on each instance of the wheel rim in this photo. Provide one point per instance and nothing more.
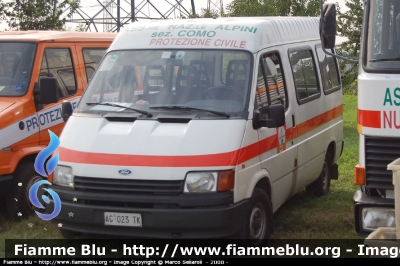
(257, 222)
(32, 181)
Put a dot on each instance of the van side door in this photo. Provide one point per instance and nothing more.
(331, 84)
(58, 60)
(277, 155)
(73, 65)
(309, 114)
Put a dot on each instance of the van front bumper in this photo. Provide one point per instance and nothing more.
(211, 215)
(372, 212)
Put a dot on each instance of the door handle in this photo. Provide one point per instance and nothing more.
(293, 121)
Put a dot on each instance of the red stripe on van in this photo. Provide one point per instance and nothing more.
(302, 128)
(232, 158)
(255, 149)
(220, 159)
(369, 118)
(319, 120)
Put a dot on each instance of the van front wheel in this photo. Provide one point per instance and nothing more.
(17, 199)
(258, 221)
(320, 187)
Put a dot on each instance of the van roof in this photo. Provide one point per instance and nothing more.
(248, 33)
(56, 36)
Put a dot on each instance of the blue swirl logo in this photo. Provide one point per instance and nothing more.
(50, 166)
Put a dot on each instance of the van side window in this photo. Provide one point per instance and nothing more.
(305, 75)
(270, 73)
(92, 58)
(329, 71)
(58, 63)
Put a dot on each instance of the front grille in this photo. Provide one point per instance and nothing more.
(379, 152)
(128, 186)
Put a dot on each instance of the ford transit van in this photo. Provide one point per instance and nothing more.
(236, 116)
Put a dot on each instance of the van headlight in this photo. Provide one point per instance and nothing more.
(374, 217)
(201, 182)
(63, 176)
(218, 181)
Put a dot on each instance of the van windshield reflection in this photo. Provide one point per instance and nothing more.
(214, 81)
(16, 60)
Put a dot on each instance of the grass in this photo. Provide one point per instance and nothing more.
(301, 217)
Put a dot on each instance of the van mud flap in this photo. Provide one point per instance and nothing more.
(334, 172)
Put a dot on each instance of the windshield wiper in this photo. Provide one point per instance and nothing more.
(178, 107)
(385, 59)
(121, 106)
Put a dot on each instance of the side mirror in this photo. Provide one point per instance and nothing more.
(257, 119)
(276, 114)
(328, 26)
(46, 91)
(66, 110)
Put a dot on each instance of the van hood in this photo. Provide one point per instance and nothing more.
(5, 104)
(146, 144)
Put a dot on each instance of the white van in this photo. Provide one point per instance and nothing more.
(236, 115)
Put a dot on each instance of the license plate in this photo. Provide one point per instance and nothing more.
(123, 219)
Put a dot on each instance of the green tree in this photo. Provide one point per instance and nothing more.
(244, 8)
(5, 10)
(205, 13)
(81, 27)
(310, 8)
(349, 25)
(41, 14)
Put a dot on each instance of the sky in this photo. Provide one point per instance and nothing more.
(163, 6)
(91, 7)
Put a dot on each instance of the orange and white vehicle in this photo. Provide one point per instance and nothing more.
(33, 64)
(236, 116)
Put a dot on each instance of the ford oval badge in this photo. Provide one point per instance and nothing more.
(125, 172)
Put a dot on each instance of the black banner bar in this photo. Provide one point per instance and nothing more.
(153, 249)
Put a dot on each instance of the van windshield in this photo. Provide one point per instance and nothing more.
(16, 60)
(154, 80)
(383, 36)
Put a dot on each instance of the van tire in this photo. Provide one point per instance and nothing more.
(17, 199)
(257, 225)
(320, 187)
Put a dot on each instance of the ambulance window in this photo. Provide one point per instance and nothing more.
(270, 73)
(305, 75)
(92, 58)
(58, 63)
(329, 71)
